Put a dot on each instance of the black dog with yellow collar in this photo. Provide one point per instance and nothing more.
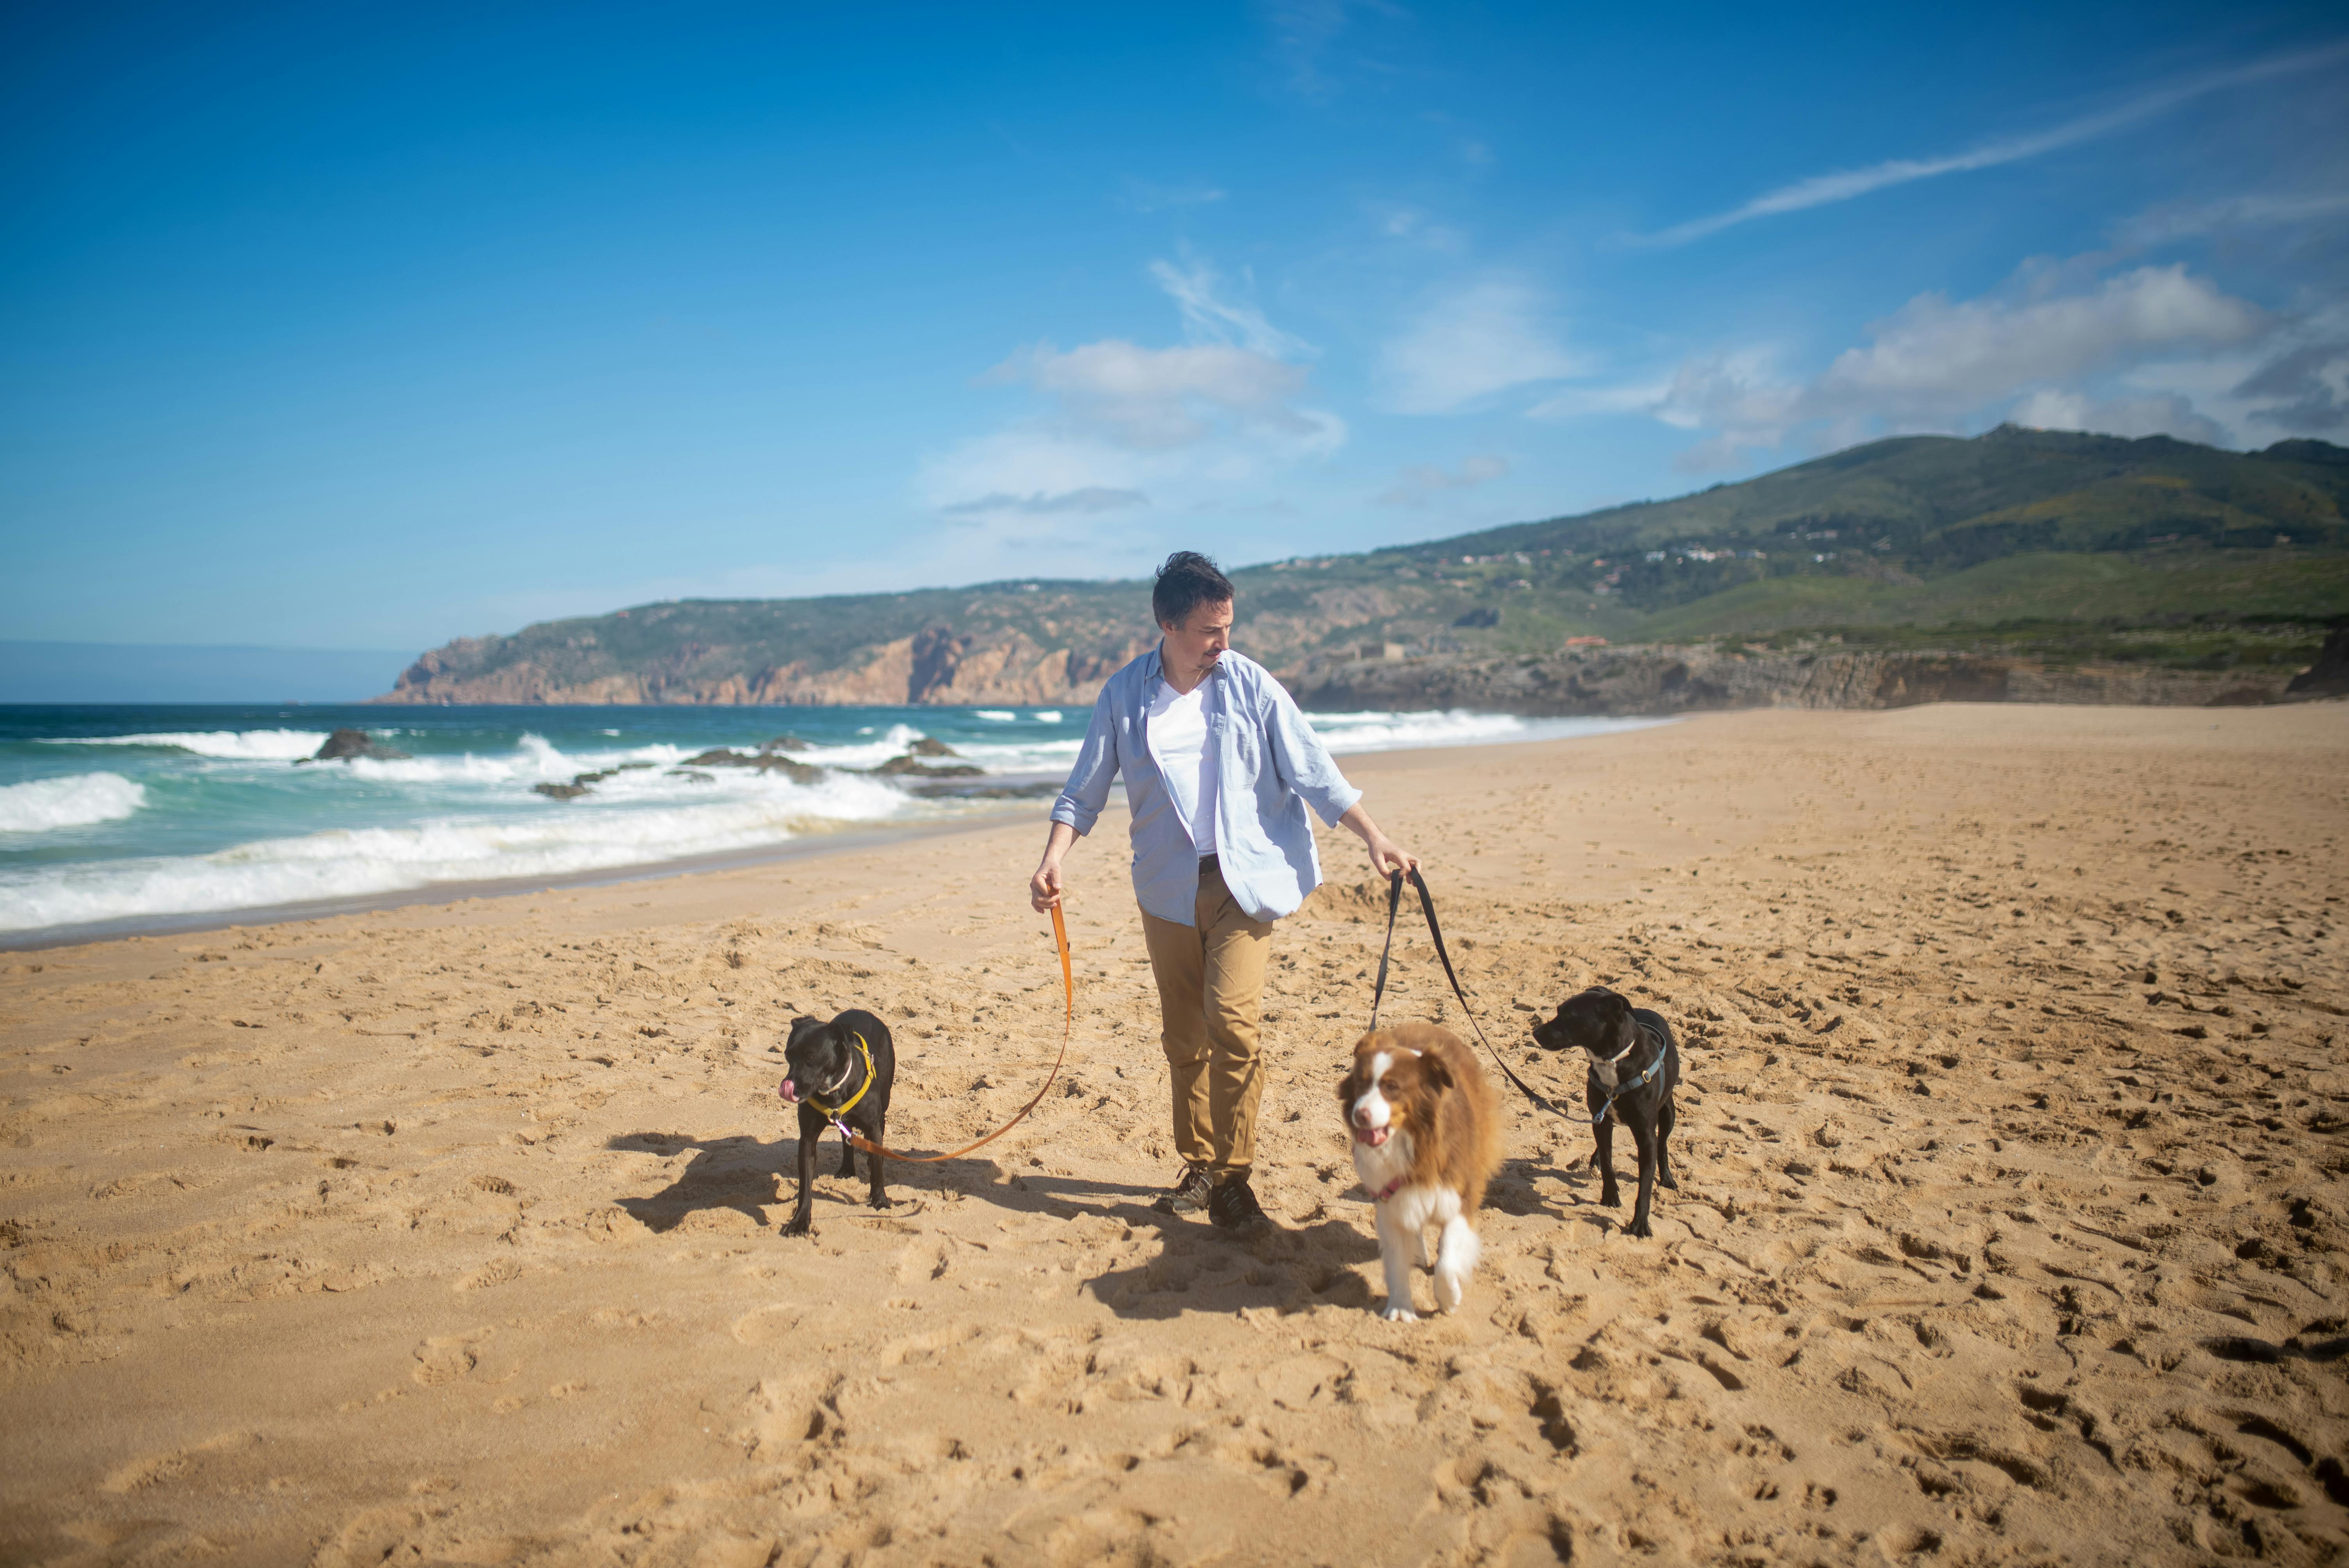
(838, 1074)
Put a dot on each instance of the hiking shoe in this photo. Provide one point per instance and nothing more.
(1190, 1194)
(1233, 1207)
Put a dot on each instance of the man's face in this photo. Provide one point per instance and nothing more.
(1192, 648)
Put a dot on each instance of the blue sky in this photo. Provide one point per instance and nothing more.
(350, 326)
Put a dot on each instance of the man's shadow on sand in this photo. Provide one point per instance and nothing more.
(1298, 1265)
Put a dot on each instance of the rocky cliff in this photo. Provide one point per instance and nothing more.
(937, 666)
(1662, 680)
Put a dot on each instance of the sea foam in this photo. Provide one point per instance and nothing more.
(39, 805)
(1357, 732)
(231, 745)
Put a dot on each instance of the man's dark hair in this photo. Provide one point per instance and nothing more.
(1186, 582)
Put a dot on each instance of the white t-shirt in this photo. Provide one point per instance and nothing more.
(1179, 744)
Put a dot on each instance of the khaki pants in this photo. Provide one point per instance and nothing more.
(1210, 992)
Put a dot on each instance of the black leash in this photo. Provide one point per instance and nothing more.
(1427, 907)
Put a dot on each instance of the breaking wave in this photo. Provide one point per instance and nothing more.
(38, 804)
(356, 862)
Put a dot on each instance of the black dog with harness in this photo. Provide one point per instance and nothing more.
(1635, 1065)
(839, 1075)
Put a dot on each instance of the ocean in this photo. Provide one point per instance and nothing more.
(122, 818)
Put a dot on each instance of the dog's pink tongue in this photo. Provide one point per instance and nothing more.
(1373, 1136)
(790, 1091)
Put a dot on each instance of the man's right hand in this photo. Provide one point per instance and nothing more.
(1044, 887)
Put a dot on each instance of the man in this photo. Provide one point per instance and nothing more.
(1220, 767)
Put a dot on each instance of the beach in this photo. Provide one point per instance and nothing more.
(2010, 1145)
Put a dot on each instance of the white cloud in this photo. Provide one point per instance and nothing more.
(2140, 353)
(2303, 391)
(1416, 484)
(1479, 339)
(2163, 414)
(1117, 425)
(1741, 390)
(1933, 358)
(1152, 399)
(1843, 185)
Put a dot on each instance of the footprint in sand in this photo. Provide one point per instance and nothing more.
(154, 1470)
(447, 1359)
(766, 1325)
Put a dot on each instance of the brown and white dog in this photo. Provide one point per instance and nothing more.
(1427, 1139)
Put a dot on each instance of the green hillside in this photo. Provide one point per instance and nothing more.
(2016, 533)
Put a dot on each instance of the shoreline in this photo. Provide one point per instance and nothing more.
(196, 922)
(977, 811)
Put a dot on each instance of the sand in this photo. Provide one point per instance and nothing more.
(2011, 1144)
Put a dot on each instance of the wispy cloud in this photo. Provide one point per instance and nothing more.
(1209, 315)
(1411, 224)
(1843, 185)
(2186, 221)
(1086, 500)
(1142, 196)
(1305, 32)
(1417, 484)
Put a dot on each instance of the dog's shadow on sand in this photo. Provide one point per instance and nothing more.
(760, 1180)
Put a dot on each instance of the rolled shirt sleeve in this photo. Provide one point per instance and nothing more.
(1304, 762)
(1087, 791)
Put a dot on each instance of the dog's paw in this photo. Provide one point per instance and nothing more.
(1666, 1179)
(1394, 1314)
(796, 1228)
(1638, 1228)
(1609, 1197)
(1450, 1290)
(883, 1201)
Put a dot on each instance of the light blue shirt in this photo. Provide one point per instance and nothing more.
(1272, 766)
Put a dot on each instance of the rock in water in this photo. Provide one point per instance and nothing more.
(345, 744)
(560, 791)
(925, 746)
(2329, 675)
(909, 766)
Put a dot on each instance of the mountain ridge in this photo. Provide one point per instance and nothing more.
(2013, 525)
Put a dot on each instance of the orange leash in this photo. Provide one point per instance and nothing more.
(1068, 1026)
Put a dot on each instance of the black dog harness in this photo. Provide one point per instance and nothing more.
(1645, 1078)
